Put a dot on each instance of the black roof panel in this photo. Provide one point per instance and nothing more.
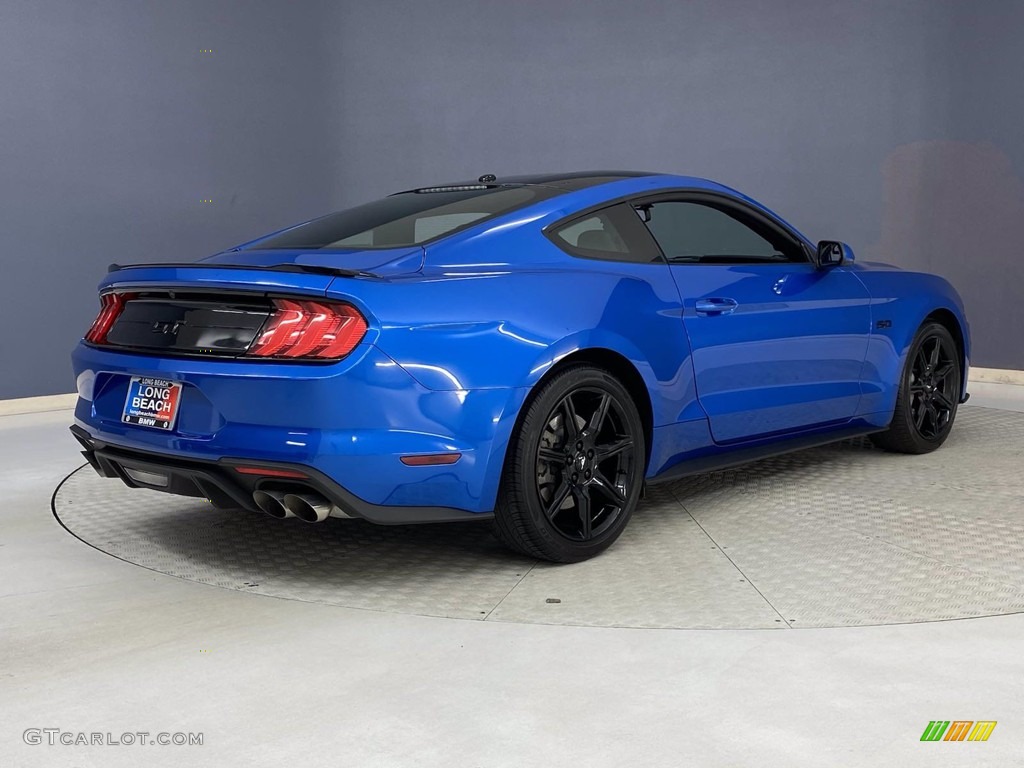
(576, 180)
(566, 181)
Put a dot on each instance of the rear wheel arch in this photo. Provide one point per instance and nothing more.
(591, 470)
(622, 368)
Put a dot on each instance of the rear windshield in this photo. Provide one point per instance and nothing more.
(409, 218)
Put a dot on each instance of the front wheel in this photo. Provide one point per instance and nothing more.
(574, 470)
(929, 392)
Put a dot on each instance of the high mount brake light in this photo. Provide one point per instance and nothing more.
(111, 305)
(309, 329)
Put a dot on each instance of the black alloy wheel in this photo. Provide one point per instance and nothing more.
(929, 393)
(932, 387)
(574, 470)
(583, 464)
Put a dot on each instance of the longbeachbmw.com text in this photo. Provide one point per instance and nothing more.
(57, 736)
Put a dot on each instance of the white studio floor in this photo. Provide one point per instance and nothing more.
(91, 643)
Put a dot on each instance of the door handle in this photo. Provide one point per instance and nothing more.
(715, 306)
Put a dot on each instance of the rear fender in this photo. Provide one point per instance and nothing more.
(501, 330)
(490, 328)
(667, 397)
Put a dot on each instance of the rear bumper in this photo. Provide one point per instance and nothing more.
(346, 425)
(226, 488)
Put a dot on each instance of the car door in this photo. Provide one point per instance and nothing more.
(778, 345)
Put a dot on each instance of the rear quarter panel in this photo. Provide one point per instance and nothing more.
(503, 319)
(499, 311)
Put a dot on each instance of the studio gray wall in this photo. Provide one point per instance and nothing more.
(893, 125)
(955, 204)
(114, 126)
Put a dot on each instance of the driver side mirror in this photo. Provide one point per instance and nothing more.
(832, 253)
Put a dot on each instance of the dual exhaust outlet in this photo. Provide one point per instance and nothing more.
(308, 507)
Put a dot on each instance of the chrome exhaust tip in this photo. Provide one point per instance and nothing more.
(308, 507)
(272, 502)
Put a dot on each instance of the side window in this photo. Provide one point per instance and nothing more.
(615, 234)
(700, 233)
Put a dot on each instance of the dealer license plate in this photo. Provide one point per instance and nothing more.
(152, 402)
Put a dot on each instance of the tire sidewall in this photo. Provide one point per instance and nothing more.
(528, 442)
(904, 409)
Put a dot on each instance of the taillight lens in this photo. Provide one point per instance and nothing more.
(309, 329)
(111, 305)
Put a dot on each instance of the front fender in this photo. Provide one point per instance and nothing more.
(900, 303)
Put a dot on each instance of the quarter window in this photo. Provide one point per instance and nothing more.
(615, 234)
(594, 233)
(690, 232)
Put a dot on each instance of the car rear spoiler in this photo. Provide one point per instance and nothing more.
(309, 269)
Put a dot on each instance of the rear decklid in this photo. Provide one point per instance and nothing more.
(220, 306)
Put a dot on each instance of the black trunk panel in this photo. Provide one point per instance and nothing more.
(190, 325)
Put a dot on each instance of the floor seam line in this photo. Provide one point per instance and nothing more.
(732, 562)
(511, 590)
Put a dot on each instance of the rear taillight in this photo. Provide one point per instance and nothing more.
(309, 329)
(111, 305)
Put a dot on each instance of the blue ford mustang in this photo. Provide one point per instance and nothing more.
(530, 349)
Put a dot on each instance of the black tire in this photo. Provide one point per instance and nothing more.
(928, 396)
(556, 501)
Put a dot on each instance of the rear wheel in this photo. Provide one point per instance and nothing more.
(928, 395)
(574, 469)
